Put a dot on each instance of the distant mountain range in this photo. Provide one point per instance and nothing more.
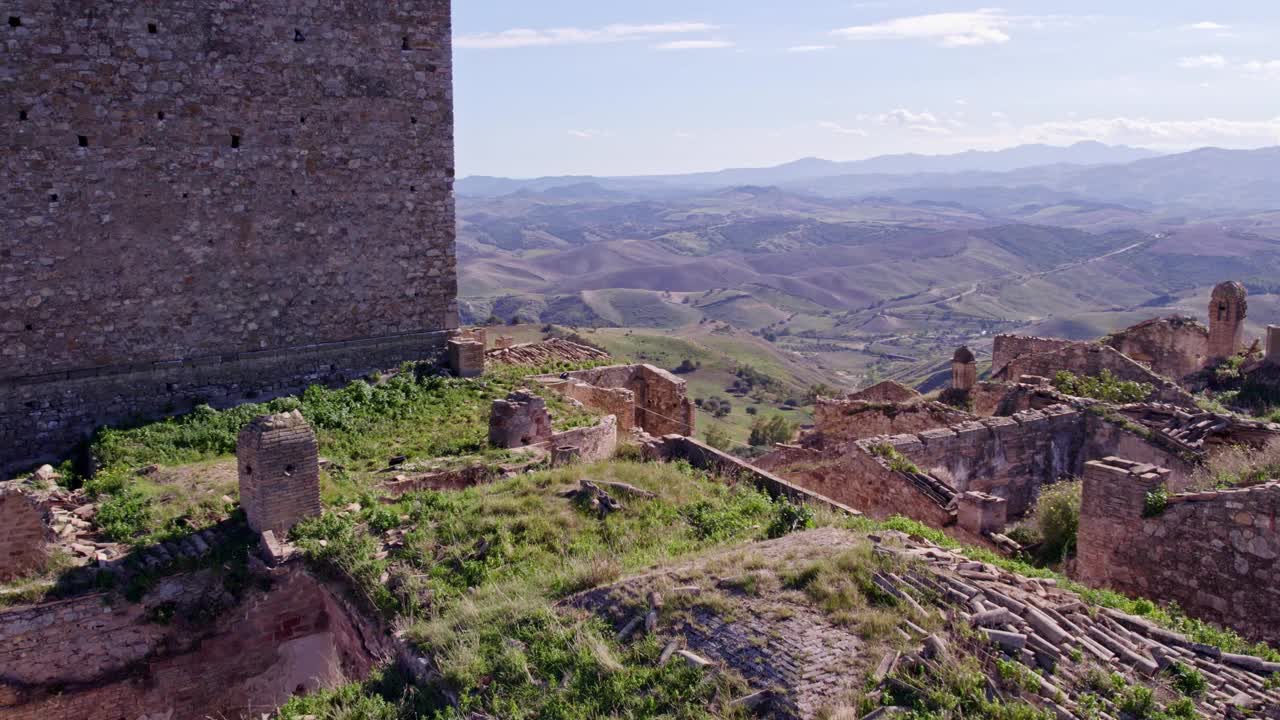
(1209, 178)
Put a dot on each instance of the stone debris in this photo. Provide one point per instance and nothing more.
(1198, 432)
(550, 350)
(1042, 626)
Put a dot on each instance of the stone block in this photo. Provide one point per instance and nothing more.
(981, 513)
(466, 358)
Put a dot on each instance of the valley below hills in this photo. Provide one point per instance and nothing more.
(857, 280)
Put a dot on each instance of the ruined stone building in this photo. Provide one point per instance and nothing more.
(216, 202)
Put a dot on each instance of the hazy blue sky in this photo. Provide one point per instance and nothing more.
(605, 87)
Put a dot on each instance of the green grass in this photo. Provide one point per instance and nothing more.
(359, 428)
(480, 570)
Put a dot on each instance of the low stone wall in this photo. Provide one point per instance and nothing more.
(595, 443)
(1214, 553)
(705, 457)
(618, 402)
(118, 661)
(1108, 438)
(24, 532)
(43, 418)
(843, 420)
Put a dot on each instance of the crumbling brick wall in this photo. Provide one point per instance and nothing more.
(1173, 347)
(84, 657)
(199, 193)
(279, 466)
(519, 420)
(24, 532)
(1214, 553)
(888, 391)
(661, 402)
(1007, 348)
(842, 420)
(1087, 359)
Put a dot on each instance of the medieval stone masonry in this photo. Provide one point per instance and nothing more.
(211, 201)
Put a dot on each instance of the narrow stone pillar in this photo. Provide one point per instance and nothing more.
(964, 370)
(279, 472)
(466, 357)
(980, 513)
(1273, 344)
(1228, 308)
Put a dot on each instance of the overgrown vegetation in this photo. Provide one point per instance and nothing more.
(1054, 523)
(1105, 387)
(770, 431)
(413, 413)
(896, 460)
(479, 569)
(1239, 466)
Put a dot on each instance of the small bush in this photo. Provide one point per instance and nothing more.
(788, 518)
(1187, 680)
(717, 438)
(1105, 386)
(897, 461)
(1156, 502)
(1057, 516)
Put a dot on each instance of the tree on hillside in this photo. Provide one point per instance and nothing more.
(776, 429)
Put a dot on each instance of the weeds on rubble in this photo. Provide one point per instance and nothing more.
(955, 689)
(843, 587)
(1104, 386)
(491, 561)
(1188, 680)
(1168, 616)
(1239, 466)
(897, 461)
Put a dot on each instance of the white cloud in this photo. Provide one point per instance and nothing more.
(810, 48)
(587, 134)
(525, 37)
(1206, 25)
(1167, 133)
(1216, 62)
(1261, 66)
(693, 45)
(958, 29)
(840, 129)
(905, 117)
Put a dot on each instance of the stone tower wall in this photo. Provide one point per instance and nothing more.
(1228, 308)
(279, 467)
(212, 200)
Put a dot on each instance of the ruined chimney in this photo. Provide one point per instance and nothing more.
(1228, 308)
(1273, 344)
(964, 370)
(279, 472)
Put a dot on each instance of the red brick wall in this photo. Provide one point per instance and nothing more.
(23, 533)
(84, 658)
